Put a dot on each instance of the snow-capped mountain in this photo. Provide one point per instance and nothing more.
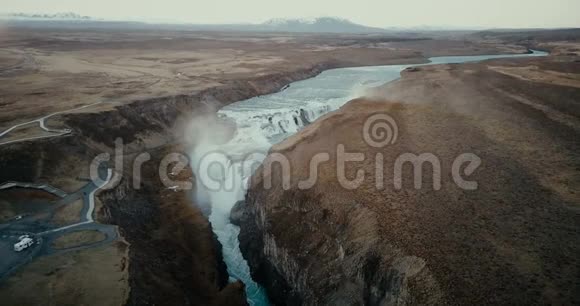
(320, 24)
(57, 16)
(286, 21)
(304, 25)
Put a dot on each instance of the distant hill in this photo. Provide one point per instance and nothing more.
(321, 24)
(314, 25)
(528, 35)
(58, 16)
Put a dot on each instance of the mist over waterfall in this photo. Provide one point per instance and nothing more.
(219, 185)
(228, 148)
(223, 163)
(223, 167)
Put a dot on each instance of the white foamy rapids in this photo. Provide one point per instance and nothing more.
(258, 130)
(221, 183)
(264, 121)
(222, 173)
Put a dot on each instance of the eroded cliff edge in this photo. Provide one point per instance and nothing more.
(173, 256)
(512, 240)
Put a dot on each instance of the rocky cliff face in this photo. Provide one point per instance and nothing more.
(173, 255)
(511, 240)
(152, 122)
(306, 254)
(324, 246)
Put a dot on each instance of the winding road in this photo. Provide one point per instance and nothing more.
(45, 187)
(42, 124)
(30, 225)
(87, 213)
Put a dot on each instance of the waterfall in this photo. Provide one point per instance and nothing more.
(262, 122)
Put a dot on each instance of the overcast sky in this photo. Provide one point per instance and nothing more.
(379, 13)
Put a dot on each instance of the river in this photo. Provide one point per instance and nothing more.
(265, 120)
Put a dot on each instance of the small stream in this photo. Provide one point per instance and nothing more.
(266, 120)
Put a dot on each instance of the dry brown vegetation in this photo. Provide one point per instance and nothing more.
(510, 241)
(148, 80)
(64, 279)
(68, 214)
(18, 201)
(78, 238)
(64, 69)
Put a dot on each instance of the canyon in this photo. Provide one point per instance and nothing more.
(509, 240)
(150, 85)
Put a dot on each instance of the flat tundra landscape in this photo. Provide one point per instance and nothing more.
(66, 95)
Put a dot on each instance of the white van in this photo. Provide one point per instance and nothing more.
(23, 244)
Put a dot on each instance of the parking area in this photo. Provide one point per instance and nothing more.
(11, 259)
(45, 223)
